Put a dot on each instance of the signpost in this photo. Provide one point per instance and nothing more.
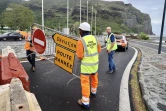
(65, 41)
(65, 49)
(64, 59)
(39, 41)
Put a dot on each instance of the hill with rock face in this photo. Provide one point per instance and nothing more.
(123, 18)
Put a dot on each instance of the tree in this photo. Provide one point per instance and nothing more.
(143, 36)
(17, 17)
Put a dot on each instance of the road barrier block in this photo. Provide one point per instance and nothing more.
(14, 98)
(12, 68)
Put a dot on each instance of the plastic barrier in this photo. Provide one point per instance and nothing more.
(12, 68)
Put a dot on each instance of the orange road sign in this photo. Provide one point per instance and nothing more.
(65, 41)
(64, 59)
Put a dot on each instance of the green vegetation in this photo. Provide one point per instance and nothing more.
(120, 16)
(17, 17)
(137, 99)
(143, 36)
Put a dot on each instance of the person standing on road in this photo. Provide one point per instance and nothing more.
(111, 47)
(30, 52)
(88, 49)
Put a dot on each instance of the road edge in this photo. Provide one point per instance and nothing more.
(124, 100)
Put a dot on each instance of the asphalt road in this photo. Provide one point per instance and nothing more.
(49, 84)
(150, 44)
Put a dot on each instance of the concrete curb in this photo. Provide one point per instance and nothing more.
(124, 100)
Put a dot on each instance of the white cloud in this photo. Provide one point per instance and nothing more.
(126, 1)
(154, 9)
(157, 22)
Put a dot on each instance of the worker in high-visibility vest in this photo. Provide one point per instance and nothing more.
(30, 52)
(111, 48)
(88, 49)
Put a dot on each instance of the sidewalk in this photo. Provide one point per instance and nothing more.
(152, 78)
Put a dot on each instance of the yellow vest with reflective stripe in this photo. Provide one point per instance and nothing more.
(109, 43)
(89, 63)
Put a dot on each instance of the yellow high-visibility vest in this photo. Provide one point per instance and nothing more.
(90, 62)
(109, 43)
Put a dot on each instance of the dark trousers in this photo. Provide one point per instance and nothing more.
(31, 57)
(111, 61)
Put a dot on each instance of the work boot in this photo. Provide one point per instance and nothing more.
(33, 69)
(82, 104)
(93, 94)
(110, 72)
(115, 70)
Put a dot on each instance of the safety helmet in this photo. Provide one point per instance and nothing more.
(85, 26)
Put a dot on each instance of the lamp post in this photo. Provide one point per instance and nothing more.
(42, 16)
(87, 10)
(162, 29)
(67, 13)
(80, 11)
(92, 21)
(95, 23)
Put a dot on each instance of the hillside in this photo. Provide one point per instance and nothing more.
(121, 17)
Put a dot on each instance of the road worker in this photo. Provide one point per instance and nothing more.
(30, 52)
(88, 49)
(111, 47)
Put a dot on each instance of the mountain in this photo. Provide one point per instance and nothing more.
(121, 17)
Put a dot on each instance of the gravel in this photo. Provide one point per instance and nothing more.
(152, 78)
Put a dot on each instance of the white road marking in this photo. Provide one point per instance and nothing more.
(39, 41)
(149, 43)
(153, 48)
(124, 101)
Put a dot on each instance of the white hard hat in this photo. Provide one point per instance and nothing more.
(84, 26)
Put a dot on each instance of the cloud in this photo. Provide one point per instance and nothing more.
(156, 22)
(154, 9)
(126, 1)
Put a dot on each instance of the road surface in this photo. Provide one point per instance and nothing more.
(49, 84)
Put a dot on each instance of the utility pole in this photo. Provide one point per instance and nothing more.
(92, 21)
(59, 27)
(42, 16)
(162, 29)
(87, 10)
(80, 11)
(95, 23)
(67, 14)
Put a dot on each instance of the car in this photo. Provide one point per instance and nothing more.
(11, 36)
(122, 42)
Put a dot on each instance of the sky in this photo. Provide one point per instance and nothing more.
(152, 7)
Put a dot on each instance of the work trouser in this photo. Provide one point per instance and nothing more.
(85, 84)
(31, 57)
(112, 66)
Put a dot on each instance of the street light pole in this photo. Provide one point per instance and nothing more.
(80, 11)
(87, 10)
(67, 14)
(42, 16)
(92, 21)
(95, 23)
(162, 29)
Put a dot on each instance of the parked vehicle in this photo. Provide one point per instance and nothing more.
(11, 36)
(122, 42)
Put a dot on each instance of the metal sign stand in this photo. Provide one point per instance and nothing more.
(48, 59)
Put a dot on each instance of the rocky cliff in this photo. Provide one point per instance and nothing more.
(123, 18)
